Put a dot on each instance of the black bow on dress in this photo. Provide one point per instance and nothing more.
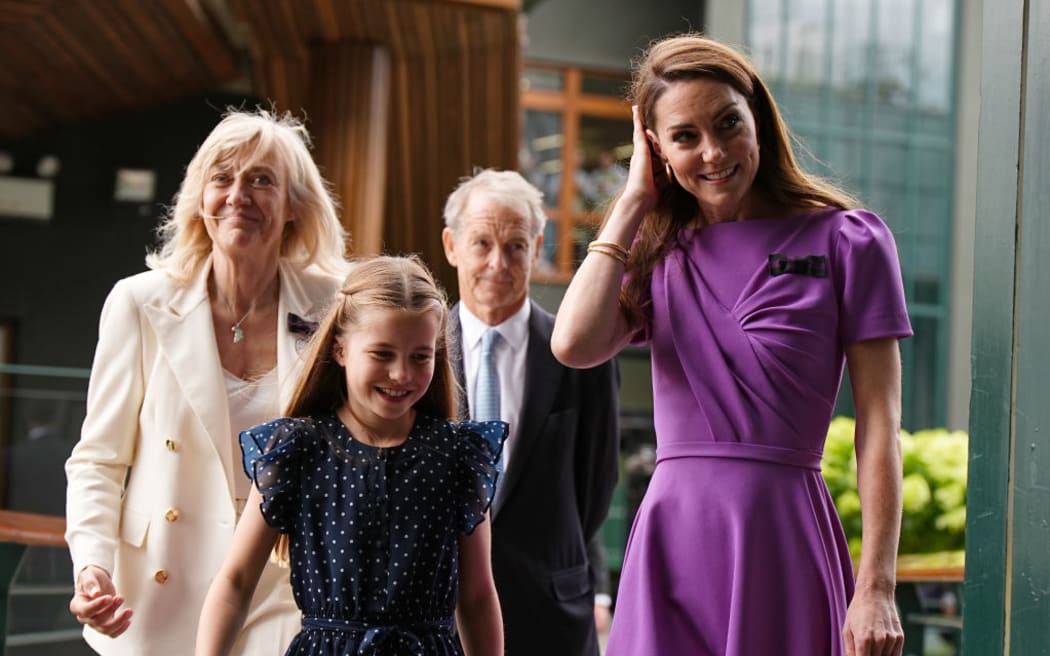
(809, 265)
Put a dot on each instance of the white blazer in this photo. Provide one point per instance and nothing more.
(150, 494)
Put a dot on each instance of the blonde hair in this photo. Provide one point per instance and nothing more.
(382, 282)
(779, 178)
(314, 237)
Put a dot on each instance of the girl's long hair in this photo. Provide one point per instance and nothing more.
(780, 179)
(383, 282)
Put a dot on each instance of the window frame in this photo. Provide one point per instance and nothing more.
(573, 105)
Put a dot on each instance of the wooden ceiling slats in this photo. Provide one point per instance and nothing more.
(85, 58)
(56, 96)
(213, 55)
(74, 60)
(114, 29)
(16, 13)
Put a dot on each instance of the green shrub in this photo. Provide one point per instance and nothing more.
(934, 490)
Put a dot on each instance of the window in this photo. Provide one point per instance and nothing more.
(575, 148)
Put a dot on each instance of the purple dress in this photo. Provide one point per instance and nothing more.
(736, 549)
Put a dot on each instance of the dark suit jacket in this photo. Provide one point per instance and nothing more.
(556, 492)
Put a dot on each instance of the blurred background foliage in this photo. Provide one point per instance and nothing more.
(934, 487)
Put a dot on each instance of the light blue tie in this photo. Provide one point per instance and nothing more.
(486, 391)
(486, 387)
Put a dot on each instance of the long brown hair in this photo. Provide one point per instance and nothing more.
(383, 282)
(779, 179)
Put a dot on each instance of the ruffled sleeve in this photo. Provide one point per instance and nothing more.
(479, 445)
(273, 460)
(868, 277)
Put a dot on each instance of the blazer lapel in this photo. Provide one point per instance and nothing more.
(186, 336)
(291, 346)
(542, 380)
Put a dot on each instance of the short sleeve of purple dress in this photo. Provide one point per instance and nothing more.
(736, 549)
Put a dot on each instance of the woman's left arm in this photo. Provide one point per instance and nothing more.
(477, 604)
(872, 626)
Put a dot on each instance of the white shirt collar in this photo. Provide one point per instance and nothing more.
(514, 330)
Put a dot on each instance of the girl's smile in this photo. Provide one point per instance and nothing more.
(388, 359)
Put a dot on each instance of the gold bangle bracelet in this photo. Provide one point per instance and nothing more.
(616, 255)
(613, 245)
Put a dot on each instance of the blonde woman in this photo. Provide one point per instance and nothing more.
(190, 353)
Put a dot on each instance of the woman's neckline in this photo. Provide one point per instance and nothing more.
(761, 220)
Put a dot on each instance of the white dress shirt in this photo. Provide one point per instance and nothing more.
(509, 351)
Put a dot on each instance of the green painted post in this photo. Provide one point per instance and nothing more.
(1029, 609)
(1007, 590)
(991, 399)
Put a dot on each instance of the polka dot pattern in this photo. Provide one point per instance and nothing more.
(374, 532)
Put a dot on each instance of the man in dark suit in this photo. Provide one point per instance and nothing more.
(560, 461)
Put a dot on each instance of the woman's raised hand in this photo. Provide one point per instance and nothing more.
(645, 172)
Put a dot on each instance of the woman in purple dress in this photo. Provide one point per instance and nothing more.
(754, 285)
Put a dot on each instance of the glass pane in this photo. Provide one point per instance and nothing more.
(605, 85)
(42, 413)
(765, 33)
(935, 66)
(539, 160)
(919, 398)
(548, 252)
(539, 157)
(602, 156)
(844, 160)
(46, 413)
(806, 40)
(582, 234)
(849, 63)
(895, 72)
(542, 79)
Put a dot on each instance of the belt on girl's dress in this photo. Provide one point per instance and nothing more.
(378, 635)
(742, 451)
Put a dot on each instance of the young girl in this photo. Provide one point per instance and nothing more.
(376, 500)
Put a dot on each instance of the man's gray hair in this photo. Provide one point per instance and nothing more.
(507, 188)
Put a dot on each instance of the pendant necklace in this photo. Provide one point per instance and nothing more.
(238, 332)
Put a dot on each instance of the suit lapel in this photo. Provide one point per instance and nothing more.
(542, 380)
(186, 336)
(455, 336)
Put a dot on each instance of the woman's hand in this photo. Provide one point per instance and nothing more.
(872, 626)
(641, 189)
(95, 603)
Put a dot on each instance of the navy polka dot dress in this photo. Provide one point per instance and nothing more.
(374, 532)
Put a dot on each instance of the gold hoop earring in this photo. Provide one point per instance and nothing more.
(668, 171)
